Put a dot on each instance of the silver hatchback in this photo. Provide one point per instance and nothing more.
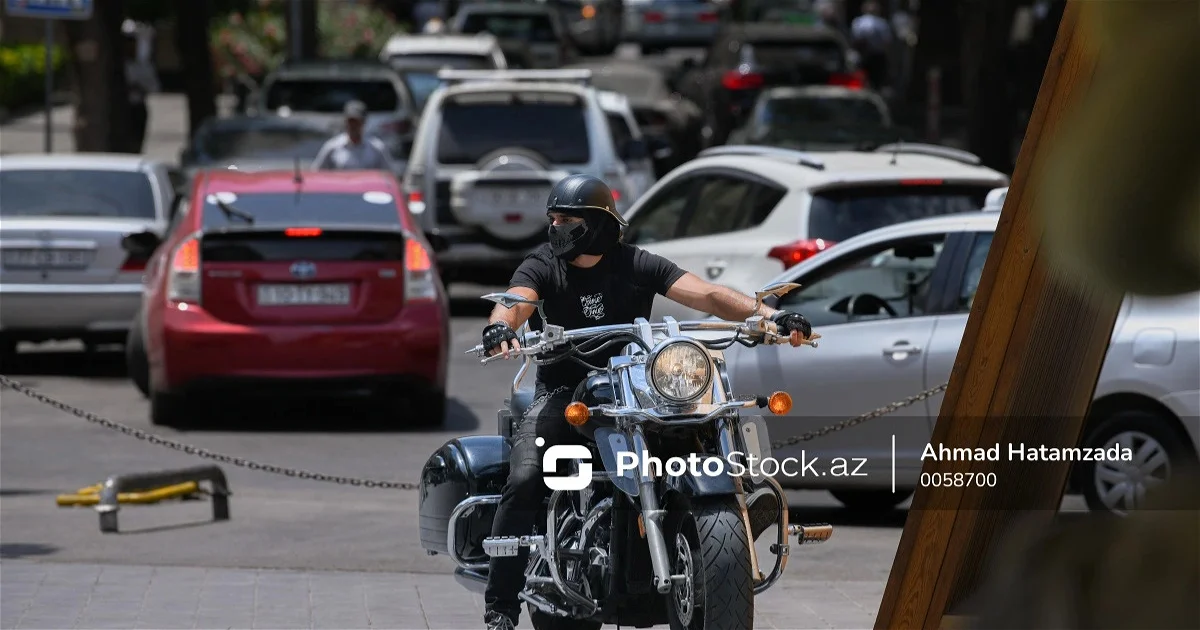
(64, 274)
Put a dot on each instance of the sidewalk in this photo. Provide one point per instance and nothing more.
(61, 595)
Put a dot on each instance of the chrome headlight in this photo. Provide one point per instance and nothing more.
(681, 371)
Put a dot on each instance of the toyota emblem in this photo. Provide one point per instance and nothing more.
(303, 269)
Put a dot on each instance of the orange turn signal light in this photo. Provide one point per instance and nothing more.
(588, 12)
(577, 414)
(779, 403)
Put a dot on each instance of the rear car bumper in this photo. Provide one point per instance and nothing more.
(47, 311)
(192, 350)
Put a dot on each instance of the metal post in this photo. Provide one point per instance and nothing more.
(49, 139)
(295, 16)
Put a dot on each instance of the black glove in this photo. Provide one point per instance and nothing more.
(790, 322)
(496, 334)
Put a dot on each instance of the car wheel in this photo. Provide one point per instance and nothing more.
(871, 500)
(1159, 452)
(169, 410)
(136, 362)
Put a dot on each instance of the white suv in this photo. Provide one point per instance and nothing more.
(490, 146)
(740, 215)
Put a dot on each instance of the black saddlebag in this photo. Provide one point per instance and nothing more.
(465, 467)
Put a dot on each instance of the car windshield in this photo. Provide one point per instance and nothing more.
(530, 28)
(787, 54)
(471, 130)
(839, 214)
(438, 61)
(79, 193)
(303, 209)
(330, 96)
(281, 142)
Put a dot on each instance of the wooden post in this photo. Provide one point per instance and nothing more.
(1025, 373)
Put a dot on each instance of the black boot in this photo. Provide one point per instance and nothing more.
(498, 621)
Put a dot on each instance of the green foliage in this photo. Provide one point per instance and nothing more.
(23, 73)
(255, 41)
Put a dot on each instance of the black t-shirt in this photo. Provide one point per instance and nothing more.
(617, 290)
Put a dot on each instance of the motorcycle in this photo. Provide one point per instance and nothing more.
(626, 543)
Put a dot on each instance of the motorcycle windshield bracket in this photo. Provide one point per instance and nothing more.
(612, 444)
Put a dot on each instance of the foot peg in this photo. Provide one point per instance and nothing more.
(508, 546)
(811, 534)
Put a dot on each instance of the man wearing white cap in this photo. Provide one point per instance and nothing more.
(350, 151)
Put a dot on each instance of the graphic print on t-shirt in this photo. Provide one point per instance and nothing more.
(593, 305)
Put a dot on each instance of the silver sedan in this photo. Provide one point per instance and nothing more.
(64, 274)
(892, 306)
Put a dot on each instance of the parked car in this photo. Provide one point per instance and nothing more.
(892, 305)
(659, 25)
(265, 283)
(740, 215)
(745, 59)
(671, 124)
(819, 118)
(64, 274)
(490, 146)
(534, 25)
(594, 26)
(255, 143)
(319, 90)
(632, 145)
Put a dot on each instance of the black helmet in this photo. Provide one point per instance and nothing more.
(590, 199)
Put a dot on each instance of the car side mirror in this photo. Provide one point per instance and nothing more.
(635, 149)
(141, 244)
(437, 242)
(509, 300)
(776, 291)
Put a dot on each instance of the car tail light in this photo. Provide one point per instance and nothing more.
(653, 17)
(799, 251)
(415, 201)
(856, 80)
(707, 17)
(302, 232)
(419, 280)
(183, 283)
(735, 80)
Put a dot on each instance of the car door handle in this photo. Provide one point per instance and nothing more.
(901, 349)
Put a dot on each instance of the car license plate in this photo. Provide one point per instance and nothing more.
(303, 294)
(46, 258)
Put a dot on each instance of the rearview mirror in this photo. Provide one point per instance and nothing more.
(914, 250)
(777, 290)
(141, 244)
(509, 300)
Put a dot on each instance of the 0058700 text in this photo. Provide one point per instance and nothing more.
(957, 479)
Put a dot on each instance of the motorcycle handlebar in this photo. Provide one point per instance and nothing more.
(754, 328)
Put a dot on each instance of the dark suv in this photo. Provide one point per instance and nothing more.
(744, 59)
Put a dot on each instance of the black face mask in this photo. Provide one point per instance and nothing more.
(595, 235)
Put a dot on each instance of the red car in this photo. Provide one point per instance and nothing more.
(293, 282)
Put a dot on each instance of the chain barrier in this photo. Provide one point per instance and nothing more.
(375, 483)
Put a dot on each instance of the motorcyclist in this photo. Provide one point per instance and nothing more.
(586, 277)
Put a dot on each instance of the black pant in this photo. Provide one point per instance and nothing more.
(138, 119)
(524, 493)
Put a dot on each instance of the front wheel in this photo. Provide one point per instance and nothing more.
(709, 546)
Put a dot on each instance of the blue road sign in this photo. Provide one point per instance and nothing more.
(49, 9)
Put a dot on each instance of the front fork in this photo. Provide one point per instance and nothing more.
(653, 514)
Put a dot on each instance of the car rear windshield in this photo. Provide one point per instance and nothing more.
(439, 61)
(330, 96)
(226, 144)
(306, 209)
(848, 112)
(840, 214)
(76, 193)
(786, 54)
(470, 131)
(530, 28)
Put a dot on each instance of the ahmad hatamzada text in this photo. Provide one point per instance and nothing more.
(1022, 453)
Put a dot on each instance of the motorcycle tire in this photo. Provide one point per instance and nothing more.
(543, 621)
(722, 584)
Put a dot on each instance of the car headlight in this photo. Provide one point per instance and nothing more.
(681, 371)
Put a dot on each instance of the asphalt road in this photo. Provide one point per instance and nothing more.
(277, 521)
